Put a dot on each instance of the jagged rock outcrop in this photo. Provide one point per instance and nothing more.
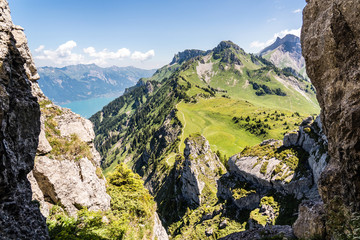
(330, 43)
(267, 172)
(68, 176)
(72, 185)
(312, 139)
(20, 218)
(199, 169)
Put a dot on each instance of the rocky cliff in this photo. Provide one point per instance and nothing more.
(20, 218)
(67, 166)
(331, 47)
(199, 171)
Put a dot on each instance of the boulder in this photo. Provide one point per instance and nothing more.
(71, 184)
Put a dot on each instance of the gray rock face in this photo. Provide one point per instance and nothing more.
(199, 168)
(72, 184)
(312, 139)
(311, 221)
(251, 169)
(330, 41)
(56, 179)
(20, 127)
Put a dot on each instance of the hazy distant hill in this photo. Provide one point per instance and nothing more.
(81, 82)
(286, 53)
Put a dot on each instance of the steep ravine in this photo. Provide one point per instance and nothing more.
(331, 47)
(20, 218)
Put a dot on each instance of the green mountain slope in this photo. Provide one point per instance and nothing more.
(205, 94)
(232, 98)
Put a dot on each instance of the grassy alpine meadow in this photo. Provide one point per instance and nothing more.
(230, 124)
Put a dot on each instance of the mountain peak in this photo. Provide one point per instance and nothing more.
(290, 43)
(226, 44)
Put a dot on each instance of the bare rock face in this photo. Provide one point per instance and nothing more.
(72, 184)
(198, 170)
(271, 173)
(311, 138)
(71, 179)
(331, 47)
(20, 127)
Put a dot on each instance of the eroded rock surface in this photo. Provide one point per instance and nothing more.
(331, 47)
(201, 168)
(312, 139)
(20, 127)
(266, 172)
(70, 176)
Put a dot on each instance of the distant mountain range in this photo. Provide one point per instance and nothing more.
(82, 82)
(286, 53)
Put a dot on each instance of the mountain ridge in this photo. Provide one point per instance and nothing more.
(86, 81)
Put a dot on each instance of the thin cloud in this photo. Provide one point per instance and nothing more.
(143, 56)
(297, 11)
(40, 48)
(258, 45)
(64, 55)
(105, 54)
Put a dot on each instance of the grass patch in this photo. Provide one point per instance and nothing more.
(70, 149)
(215, 119)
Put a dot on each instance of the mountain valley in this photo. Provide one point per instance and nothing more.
(207, 106)
(217, 144)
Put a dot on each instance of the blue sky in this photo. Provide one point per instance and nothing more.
(146, 33)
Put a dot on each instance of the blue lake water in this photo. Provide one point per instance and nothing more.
(86, 108)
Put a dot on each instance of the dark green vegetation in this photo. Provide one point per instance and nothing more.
(131, 215)
(81, 82)
(232, 98)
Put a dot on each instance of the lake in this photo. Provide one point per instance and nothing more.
(86, 108)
